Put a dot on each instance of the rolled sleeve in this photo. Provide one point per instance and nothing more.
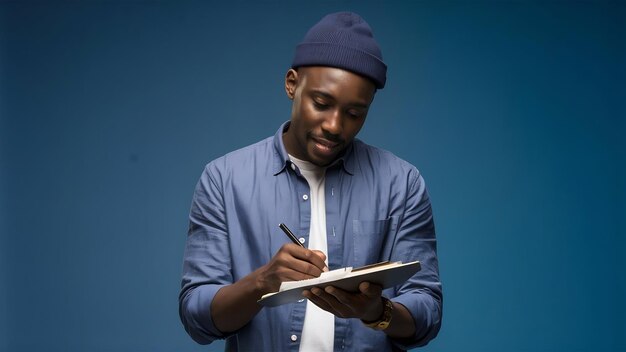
(416, 240)
(426, 313)
(207, 259)
(195, 313)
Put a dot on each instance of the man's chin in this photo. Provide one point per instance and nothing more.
(320, 160)
(322, 156)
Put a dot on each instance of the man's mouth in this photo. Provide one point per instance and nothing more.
(324, 145)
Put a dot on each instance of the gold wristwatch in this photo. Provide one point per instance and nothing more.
(384, 321)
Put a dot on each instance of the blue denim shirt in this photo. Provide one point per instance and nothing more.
(377, 209)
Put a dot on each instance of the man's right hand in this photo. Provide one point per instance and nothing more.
(290, 263)
(234, 305)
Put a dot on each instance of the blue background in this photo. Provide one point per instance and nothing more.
(513, 111)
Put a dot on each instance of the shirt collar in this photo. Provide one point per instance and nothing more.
(281, 158)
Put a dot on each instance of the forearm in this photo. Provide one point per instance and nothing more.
(402, 324)
(426, 310)
(236, 304)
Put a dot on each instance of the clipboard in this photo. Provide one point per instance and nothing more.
(386, 274)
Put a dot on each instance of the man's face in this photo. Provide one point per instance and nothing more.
(329, 109)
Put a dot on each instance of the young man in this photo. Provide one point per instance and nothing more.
(352, 204)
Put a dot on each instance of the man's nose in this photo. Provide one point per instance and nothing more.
(333, 123)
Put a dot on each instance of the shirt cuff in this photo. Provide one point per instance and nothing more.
(196, 314)
(426, 315)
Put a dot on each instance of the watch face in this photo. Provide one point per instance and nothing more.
(383, 323)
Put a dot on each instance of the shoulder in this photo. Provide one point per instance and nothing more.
(242, 159)
(369, 158)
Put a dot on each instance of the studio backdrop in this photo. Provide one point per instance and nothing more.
(513, 112)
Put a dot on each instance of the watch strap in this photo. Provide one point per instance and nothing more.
(384, 321)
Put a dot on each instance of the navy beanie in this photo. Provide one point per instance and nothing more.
(343, 40)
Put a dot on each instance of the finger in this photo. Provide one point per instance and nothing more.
(338, 308)
(357, 305)
(320, 254)
(340, 295)
(370, 290)
(308, 255)
(299, 260)
(323, 257)
(355, 302)
(318, 301)
(295, 269)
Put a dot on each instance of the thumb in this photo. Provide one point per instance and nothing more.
(370, 290)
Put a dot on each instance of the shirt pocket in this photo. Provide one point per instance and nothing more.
(371, 239)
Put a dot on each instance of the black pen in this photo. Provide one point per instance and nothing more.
(294, 239)
(290, 234)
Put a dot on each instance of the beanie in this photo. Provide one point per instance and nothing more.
(343, 40)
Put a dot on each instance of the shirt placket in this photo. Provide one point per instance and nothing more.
(303, 201)
(335, 242)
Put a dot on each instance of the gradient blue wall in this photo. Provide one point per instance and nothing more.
(513, 111)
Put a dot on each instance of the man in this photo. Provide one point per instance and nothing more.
(350, 203)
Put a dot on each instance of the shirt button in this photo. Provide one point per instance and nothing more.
(305, 197)
(293, 167)
(301, 300)
(294, 338)
(301, 239)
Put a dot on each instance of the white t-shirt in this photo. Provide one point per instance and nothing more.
(318, 331)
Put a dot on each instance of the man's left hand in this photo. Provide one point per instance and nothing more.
(365, 305)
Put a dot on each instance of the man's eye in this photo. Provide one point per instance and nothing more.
(355, 114)
(319, 105)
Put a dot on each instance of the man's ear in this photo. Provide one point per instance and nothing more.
(291, 81)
